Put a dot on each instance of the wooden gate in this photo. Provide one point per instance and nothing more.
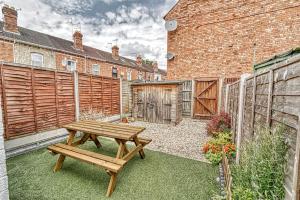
(206, 97)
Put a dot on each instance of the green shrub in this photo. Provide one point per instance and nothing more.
(260, 174)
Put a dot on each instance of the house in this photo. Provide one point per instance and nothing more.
(227, 38)
(25, 46)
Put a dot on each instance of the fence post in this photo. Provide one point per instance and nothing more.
(241, 103)
(4, 194)
(221, 81)
(76, 96)
(192, 98)
(270, 97)
(226, 98)
(121, 99)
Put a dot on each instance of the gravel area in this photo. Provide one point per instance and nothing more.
(185, 139)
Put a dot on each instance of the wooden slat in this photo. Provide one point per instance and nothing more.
(97, 132)
(86, 158)
(133, 152)
(109, 128)
(121, 126)
(100, 130)
(92, 154)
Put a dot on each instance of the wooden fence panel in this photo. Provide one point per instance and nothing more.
(187, 98)
(65, 95)
(45, 99)
(35, 99)
(100, 94)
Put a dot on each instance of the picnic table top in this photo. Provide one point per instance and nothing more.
(106, 129)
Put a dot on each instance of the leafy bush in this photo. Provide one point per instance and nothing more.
(219, 123)
(260, 174)
(213, 148)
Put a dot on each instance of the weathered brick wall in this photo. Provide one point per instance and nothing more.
(80, 62)
(3, 175)
(23, 55)
(6, 51)
(216, 38)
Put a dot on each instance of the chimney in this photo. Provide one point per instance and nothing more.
(139, 60)
(10, 19)
(155, 66)
(115, 52)
(77, 38)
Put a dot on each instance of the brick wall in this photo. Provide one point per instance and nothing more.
(217, 38)
(3, 174)
(6, 49)
(80, 62)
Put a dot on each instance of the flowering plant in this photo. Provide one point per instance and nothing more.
(219, 123)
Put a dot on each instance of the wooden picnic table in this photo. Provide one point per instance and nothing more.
(121, 133)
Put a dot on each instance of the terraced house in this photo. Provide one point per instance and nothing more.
(24, 46)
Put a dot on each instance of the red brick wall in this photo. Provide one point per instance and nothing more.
(6, 51)
(216, 37)
(80, 61)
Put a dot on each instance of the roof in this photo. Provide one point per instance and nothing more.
(277, 58)
(158, 83)
(173, 7)
(34, 37)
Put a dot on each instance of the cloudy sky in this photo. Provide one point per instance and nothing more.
(137, 25)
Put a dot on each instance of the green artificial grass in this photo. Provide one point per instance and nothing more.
(158, 176)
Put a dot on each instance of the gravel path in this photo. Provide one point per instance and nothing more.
(185, 139)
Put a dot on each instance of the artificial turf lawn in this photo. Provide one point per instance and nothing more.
(158, 176)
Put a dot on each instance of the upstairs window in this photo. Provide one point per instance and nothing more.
(140, 75)
(37, 59)
(96, 69)
(129, 75)
(157, 77)
(71, 65)
(114, 72)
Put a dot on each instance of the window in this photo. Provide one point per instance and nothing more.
(37, 59)
(129, 75)
(140, 75)
(71, 65)
(114, 72)
(96, 69)
(157, 77)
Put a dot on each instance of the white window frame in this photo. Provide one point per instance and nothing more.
(35, 55)
(157, 77)
(96, 72)
(140, 75)
(129, 75)
(112, 69)
(68, 66)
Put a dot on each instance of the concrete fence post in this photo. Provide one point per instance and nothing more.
(220, 95)
(241, 103)
(76, 96)
(4, 195)
(121, 99)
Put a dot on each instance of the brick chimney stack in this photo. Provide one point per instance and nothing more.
(77, 38)
(139, 60)
(155, 66)
(10, 19)
(115, 52)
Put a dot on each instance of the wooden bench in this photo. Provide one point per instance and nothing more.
(111, 165)
(144, 141)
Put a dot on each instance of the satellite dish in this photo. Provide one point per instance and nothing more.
(171, 25)
(170, 56)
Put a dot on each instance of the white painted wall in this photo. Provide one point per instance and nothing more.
(4, 195)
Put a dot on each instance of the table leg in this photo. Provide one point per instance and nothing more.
(126, 151)
(84, 138)
(96, 141)
(112, 184)
(137, 142)
(120, 150)
(61, 158)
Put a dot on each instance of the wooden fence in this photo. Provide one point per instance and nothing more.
(269, 98)
(35, 99)
(97, 93)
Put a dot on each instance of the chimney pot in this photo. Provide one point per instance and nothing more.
(10, 19)
(77, 38)
(115, 52)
